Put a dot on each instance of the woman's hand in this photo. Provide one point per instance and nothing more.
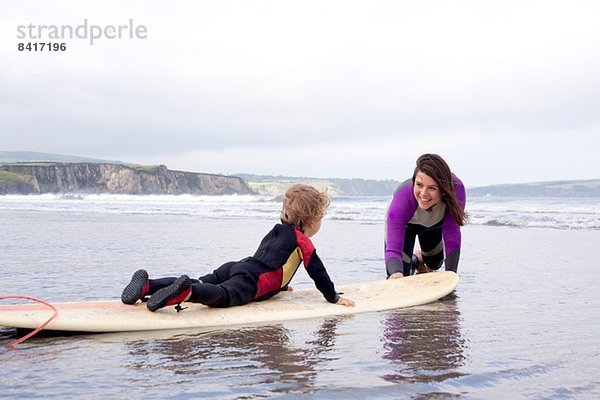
(343, 301)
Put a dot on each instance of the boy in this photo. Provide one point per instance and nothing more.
(268, 272)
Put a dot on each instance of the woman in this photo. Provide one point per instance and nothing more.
(430, 206)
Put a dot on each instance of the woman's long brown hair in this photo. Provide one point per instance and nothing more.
(435, 167)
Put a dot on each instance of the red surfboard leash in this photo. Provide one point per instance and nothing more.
(12, 344)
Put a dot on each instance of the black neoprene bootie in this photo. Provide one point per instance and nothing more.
(137, 288)
(176, 293)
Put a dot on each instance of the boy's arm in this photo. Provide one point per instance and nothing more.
(317, 272)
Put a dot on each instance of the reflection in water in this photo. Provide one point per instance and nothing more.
(259, 359)
(424, 343)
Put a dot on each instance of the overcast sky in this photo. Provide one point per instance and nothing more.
(505, 91)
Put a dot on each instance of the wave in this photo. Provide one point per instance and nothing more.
(132, 198)
(509, 212)
(495, 222)
(589, 206)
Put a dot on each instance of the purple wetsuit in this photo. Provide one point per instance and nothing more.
(438, 232)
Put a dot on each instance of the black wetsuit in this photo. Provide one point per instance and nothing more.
(266, 273)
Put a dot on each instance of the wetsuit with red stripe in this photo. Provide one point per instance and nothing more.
(266, 273)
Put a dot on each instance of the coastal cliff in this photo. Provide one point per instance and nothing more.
(52, 177)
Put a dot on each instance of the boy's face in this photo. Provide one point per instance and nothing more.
(312, 229)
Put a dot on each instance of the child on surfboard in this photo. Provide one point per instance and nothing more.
(259, 277)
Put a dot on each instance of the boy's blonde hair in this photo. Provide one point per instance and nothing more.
(303, 205)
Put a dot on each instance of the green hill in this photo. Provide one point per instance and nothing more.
(574, 188)
(30, 156)
(276, 185)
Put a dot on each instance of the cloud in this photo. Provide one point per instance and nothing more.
(355, 82)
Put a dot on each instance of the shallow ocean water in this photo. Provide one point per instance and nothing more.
(523, 322)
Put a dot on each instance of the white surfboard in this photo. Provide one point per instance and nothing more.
(114, 316)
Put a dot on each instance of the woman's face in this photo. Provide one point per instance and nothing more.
(426, 191)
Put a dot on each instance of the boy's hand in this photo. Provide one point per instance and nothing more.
(290, 289)
(345, 302)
